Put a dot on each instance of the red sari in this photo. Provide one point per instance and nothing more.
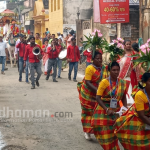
(126, 65)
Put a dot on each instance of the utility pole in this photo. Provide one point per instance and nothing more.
(141, 19)
(19, 17)
(78, 13)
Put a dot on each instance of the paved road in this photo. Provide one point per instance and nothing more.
(48, 124)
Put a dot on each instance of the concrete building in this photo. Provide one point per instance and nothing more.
(145, 19)
(63, 14)
(41, 16)
(27, 20)
(27, 13)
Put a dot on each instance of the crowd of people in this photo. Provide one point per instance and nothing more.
(104, 91)
(49, 50)
(115, 101)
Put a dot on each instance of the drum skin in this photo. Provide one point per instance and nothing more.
(63, 54)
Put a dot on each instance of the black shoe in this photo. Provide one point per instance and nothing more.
(69, 77)
(75, 80)
(59, 77)
(6, 69)
(20, 80)
(47, 78)
(54, 80)
(32, 87)
(37, 83)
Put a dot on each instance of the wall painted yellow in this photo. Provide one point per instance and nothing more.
(41, 20)
(55, 17)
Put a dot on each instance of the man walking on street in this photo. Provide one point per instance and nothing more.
(73, 56)
(52, 62)
(34, 62)
(59, 61)
(21, 46)
(3, 48)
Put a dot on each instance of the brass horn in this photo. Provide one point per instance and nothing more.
(36, 51)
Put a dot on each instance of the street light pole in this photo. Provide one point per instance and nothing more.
(78, 13)
(19, 18)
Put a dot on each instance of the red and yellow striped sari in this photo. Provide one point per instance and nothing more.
(88, 98)
(101, 122)
(130, 129)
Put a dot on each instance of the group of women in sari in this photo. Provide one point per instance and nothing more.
(102, 93)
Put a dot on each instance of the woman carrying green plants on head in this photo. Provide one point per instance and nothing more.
(87, 91)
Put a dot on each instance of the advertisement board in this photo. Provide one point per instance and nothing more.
(114, 11)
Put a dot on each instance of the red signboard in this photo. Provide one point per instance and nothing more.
(114, 11)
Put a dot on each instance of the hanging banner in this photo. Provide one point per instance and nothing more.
(114, 11)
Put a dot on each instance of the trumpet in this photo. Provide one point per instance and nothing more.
(37, 53)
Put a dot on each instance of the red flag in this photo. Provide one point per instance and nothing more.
(28, 31)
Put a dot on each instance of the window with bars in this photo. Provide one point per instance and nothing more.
(51, 5)
(46, 4)
(54, 5)
(58, 3)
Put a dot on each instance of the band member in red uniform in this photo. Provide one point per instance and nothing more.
(59, 48)
(52, 61)
(22, 46)
(73, 56)
(34, 62)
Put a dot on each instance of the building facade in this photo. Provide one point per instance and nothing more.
(145, 19)
(63, 14)
(41, 17)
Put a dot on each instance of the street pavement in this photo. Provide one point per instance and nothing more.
(46, 118)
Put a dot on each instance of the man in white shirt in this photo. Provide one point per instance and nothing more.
(6, 28)
(3, 48)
